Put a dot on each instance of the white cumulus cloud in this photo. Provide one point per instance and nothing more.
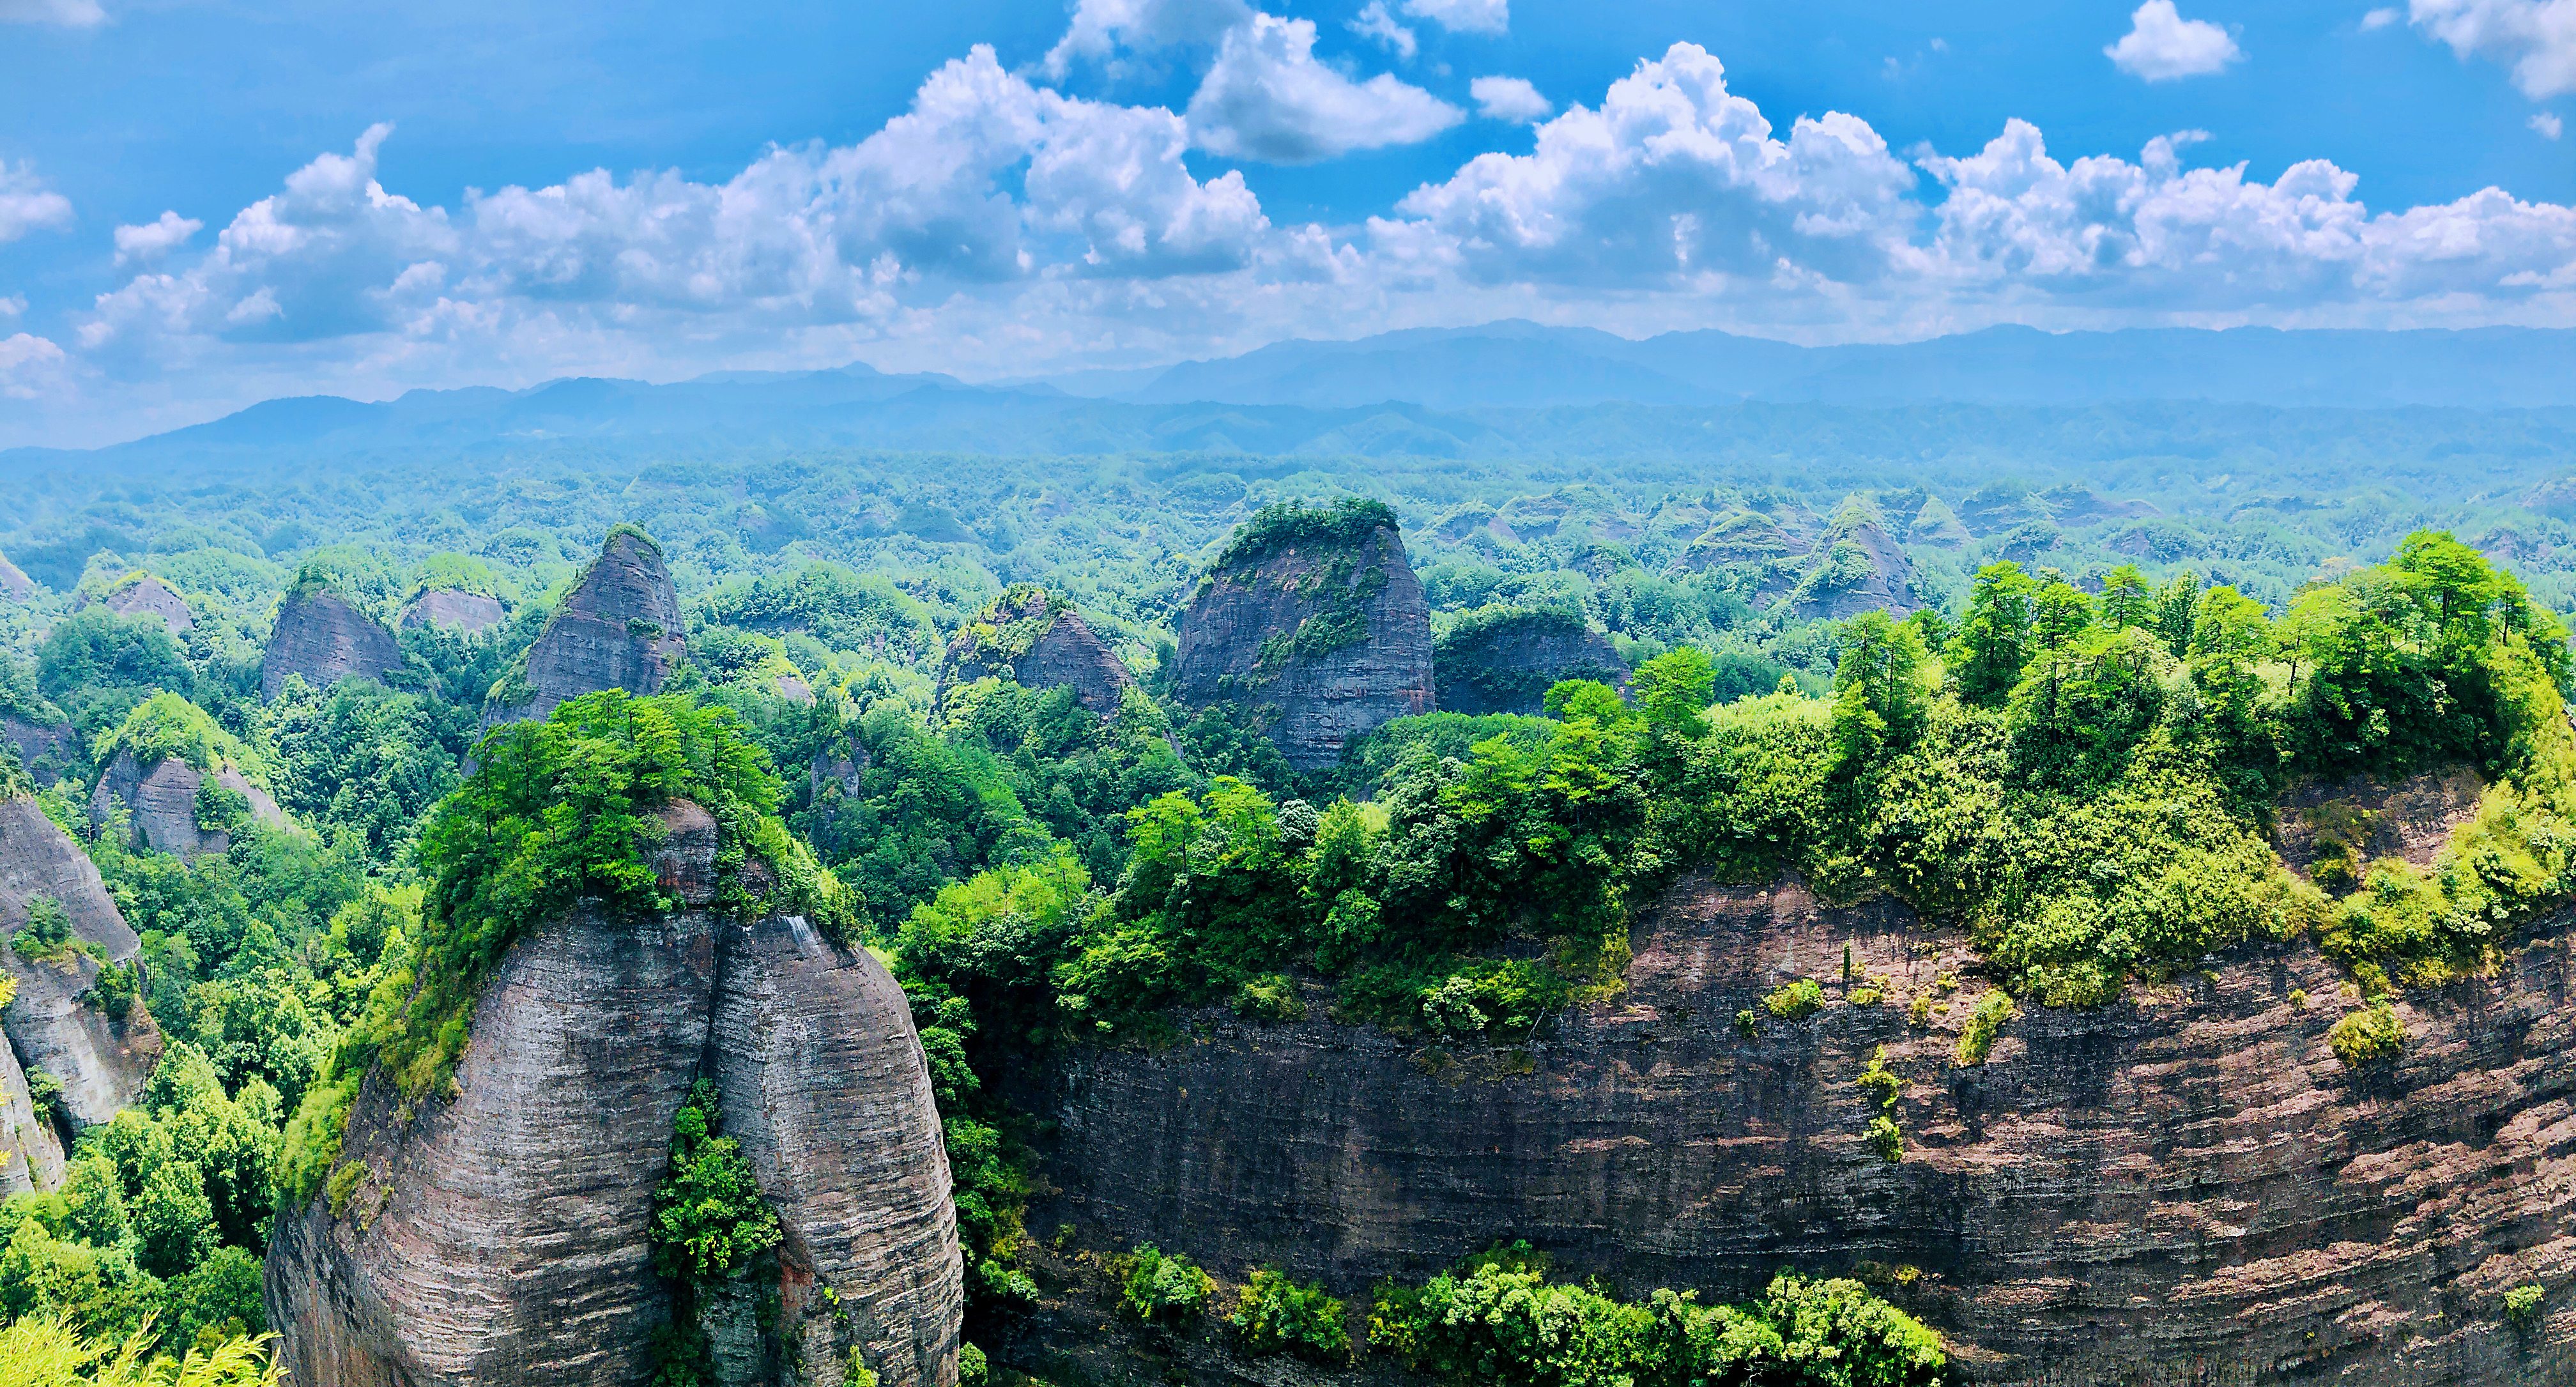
(1509, 98)
(70, 14)
(154, 239)
(1464, 16)
(2380, 18)
(2536, 38)
(2161, 45)
(1373, 22)
(1268, 98)
(1101, 27)
(30, 366)
(26, 204)
(2548, 125)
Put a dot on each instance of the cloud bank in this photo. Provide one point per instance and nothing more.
(1000, 226)
(2161, 45)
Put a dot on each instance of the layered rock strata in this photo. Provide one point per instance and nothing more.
(499, 1236)
(149, 596)
(619, 628)
(450, 609)
(1508, 665)
(163, 800)
(100, 1060)
(2183, 1187)
(320, 636)
(1324, 641)
(1037, 642)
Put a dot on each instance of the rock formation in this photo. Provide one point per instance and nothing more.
(31, 1152)
(618, 629)
(2183, 1187)
(1326, 638)
(499, 1237)
(48, 750)
(14, 585)
(1508, 663)
(145, 595)
(163, 799)
(453, 610)
(320, 636)
(1038, 642)
(1857, 568)
(100, 1060)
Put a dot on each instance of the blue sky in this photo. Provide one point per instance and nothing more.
(203, 205)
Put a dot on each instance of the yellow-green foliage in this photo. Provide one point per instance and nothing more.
(1795, 1002)
(40, 1351)
(2374, 1032)
(167, 725)
(1978, 1037)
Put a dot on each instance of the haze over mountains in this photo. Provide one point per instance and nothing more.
(1432, 392)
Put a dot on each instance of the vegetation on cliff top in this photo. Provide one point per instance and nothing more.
(1292, 524)
(556, 812)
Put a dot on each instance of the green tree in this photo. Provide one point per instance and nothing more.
(1994, 639)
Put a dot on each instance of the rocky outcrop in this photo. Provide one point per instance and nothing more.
(1324, 640)
(321, 637)
(48, 750)
(31, 1152)
(453, 610)
(2183, 1187)
(619, 628)
(1857, 568)
(499, 1237)
(146, 595)
(14, 585)
(1037, 642)
(2352, 822)
(100, 1060)
(163, 801)
(1507, 664)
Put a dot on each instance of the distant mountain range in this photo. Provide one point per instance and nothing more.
(1510, 387)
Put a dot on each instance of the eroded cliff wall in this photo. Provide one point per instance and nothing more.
(161, 802)
(619, 628)
(1328, 640)
(101, 1060)
(320, 636)
(1038, 643)
(2185, 1187)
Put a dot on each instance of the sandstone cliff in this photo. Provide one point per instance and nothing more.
(145, 595)
(14, 585)
(48, 750)
(320, 636)
(1038, 642)
(2185, 1187)
(1324, 638)
(100, 1060)
(31, 1152)
(1507, 663)
(453, 610)
(1857, 568)
(499, 1236)
(619, 628)
(163, 800)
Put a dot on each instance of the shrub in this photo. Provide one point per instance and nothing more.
(973, 1368)
(1270, 997)
(47, 933)
(2373, 1033)
(1162, 1288)
(1885, 1138)
(1795, 1002)
(708, 1216)
(2522, 1307)
(1276, 1315)
(1992, 1011)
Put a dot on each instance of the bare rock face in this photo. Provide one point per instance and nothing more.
(619, 629)
(499, 1237)
(100, 1060)
(2184, 1187)
(1508, 665)
(1857, 568)
(149, 596)
(1037, 642)
(320, 636)
(46, 750)
(1329, 641)
(163, 802)
(31, 1152)
(452, 610)
(2362, 819)
(14, 585)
